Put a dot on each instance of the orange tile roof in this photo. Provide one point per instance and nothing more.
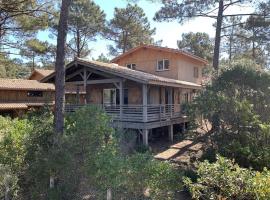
(8, 106)
(22, 84)
(42, 72)
(166, 49)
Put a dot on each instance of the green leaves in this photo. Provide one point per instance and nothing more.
(86, 20)
(198, 44)
(225, 179)
(238, 100)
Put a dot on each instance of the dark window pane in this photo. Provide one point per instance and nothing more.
(166, 64)
(34, 93)
(125, 96)
(160, 65)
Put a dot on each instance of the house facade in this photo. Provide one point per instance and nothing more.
(19, 95)
(165, 62)
(136, 97)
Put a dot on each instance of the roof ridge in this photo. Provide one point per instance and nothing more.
(160, 47)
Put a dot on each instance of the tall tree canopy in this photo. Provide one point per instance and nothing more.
(183, 10)
(198, 44)
(85, 22)
(35, 50)
(128, 28)
(19, 19)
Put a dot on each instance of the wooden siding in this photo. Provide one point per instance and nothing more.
(181, 67)
(21, 96)
(156, 94)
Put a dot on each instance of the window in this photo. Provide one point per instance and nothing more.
(163, 65)
(112, 96)
(34, 93)
(131, 66)
(196, 72)
(185, 98)
(125, 96)
(109, 96)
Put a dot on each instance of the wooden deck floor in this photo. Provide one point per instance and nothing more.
(185, 152)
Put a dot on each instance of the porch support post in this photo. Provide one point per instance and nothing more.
(170, 100)
(84, 79)
(78, 94)
(84, 83)
(170, 127)
(144, 97)
(121, 99)
(145, 133)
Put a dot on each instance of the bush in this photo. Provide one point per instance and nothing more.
(136, 176)
(226, 180)
(88, 157)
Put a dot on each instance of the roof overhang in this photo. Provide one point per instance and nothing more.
(132, 75)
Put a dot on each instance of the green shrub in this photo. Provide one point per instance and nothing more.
(226, 180)
(237, 106)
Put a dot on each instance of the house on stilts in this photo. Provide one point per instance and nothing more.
(143, 89)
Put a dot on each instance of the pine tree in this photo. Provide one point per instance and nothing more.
(198, 44)
(35, 50)
(21, 19)
(128, 28)
(183, 10)
(85, 22)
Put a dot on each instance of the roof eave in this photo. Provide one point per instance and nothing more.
(178, 85)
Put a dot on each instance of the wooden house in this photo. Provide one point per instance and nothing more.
(143, 94)
(19, 95)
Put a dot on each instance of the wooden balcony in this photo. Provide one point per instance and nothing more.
(138, 113)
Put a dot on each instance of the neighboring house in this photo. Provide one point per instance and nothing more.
(70, 90)
(134, 99)
(19, 95)
(38, 74)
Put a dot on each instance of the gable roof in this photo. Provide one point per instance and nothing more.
(42, 72)
(165, 49)
(130, 74)
(22, 84)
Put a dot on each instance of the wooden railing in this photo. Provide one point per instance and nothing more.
(135, 113)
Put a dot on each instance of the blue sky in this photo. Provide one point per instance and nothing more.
(169, 32)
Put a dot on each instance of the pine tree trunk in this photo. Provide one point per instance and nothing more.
(218, 36)
(253, 43)
(78, 43)
(60, 70)
(7, 191)
(125, 41)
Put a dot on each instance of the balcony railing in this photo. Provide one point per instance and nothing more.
(29, 101)
(137, 113)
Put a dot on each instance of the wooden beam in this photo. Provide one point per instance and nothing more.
(73, 74)
(92, 82)
(78, 95)
(84, 79)
(144, 94)
(121, 96)
(89, 74)
(145, 133)
(170, 127)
